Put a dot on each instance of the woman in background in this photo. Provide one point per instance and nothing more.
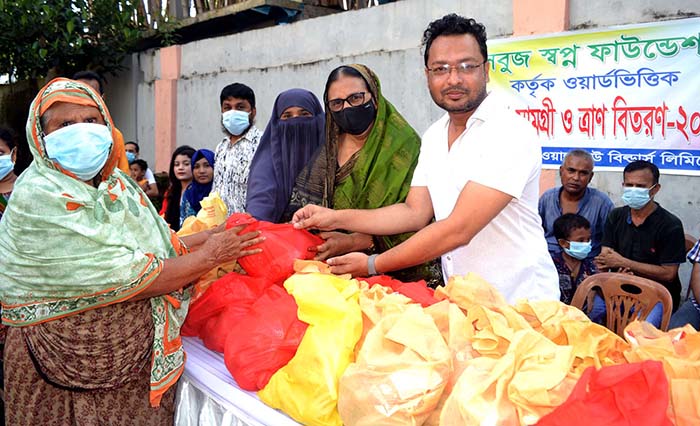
(8, 155)
(202, 177)
(295, 131)
(180, 175)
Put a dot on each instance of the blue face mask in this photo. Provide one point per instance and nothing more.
(81, 148)
(636, 198)
(235, 121)
(578, 250)
(6, 165)
(130, 156)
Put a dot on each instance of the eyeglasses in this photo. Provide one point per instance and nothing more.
(356, 99)
(462, 68)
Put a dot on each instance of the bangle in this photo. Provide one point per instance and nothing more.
(371, 269)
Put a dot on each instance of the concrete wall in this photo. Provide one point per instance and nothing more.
(387, 38)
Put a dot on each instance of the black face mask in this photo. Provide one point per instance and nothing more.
(355, 120)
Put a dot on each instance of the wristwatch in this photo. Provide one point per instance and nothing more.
(371, 269)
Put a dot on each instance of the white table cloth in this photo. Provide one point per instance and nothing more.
(208, 395)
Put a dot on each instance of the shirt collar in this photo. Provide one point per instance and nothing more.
(248, 135)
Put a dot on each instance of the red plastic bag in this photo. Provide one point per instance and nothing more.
(617, 395)
(264, 340)
(232, 295)
(282, 246)
(417, 291)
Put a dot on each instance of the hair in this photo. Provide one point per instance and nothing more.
(237, 90)
(8, 136)
(580, 153)
(342, 70)
(143, 165)
(453, 24)
(90, 75)
(172, 212)
(641, 165)
(138, 149)
(566, 223)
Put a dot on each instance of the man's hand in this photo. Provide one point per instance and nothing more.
(351, 263)
(337, 243)
(609, 259)
(316, 217)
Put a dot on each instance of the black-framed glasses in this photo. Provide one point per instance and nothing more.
(355, 99)
(463, 68)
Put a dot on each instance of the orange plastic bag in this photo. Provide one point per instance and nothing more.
(618, 395)
(282, 246)
(264, 339)
(417, 291)
(229, 296)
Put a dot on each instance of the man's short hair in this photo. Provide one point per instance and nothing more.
(90, 75)
(580, 153)
(143, 165)
(566, 223)
(136, 145)
(454, 24)
(237, 90)
(641, 165)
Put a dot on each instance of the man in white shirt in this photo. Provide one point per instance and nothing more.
(235, 152)
(477, 175)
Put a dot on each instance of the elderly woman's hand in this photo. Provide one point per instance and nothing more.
(225, 246)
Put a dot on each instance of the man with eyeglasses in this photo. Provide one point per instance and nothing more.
(642, 237)
(477, 175)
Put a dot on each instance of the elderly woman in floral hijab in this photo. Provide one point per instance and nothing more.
(92, 280)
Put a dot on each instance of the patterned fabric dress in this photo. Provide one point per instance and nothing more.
(73, 256)
(232, 169)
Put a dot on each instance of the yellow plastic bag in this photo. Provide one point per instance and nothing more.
(527, 382)
(400, 373)
(453, 326)
(307, 387)
(212, 214)
(679, 352)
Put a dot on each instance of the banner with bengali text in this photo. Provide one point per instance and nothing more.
(623, 93)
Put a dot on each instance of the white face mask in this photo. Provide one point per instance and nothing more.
(235, 121)
(81, 148)
(6, 165)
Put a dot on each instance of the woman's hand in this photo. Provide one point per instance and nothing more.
(223, 246)
(315, 217)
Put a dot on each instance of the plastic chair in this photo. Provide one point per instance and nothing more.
(627, 298)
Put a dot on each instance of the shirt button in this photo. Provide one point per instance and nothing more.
(449, 258)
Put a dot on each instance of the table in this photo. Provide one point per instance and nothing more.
(208, 395)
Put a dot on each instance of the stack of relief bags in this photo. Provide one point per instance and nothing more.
(330, 350)
(373, 356)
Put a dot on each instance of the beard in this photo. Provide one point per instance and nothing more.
(472, 101)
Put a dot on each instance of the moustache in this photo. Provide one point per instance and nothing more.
(459, 89)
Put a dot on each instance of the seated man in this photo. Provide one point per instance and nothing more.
(574, 196)
(642, 237)
(689, 312)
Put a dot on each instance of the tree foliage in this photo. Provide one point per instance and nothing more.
(39, 37)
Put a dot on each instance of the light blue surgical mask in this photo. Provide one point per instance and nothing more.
(130, 156)
(235, 121)
(578, 250)
(6, 165)
(636, 198)
(81, 148)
